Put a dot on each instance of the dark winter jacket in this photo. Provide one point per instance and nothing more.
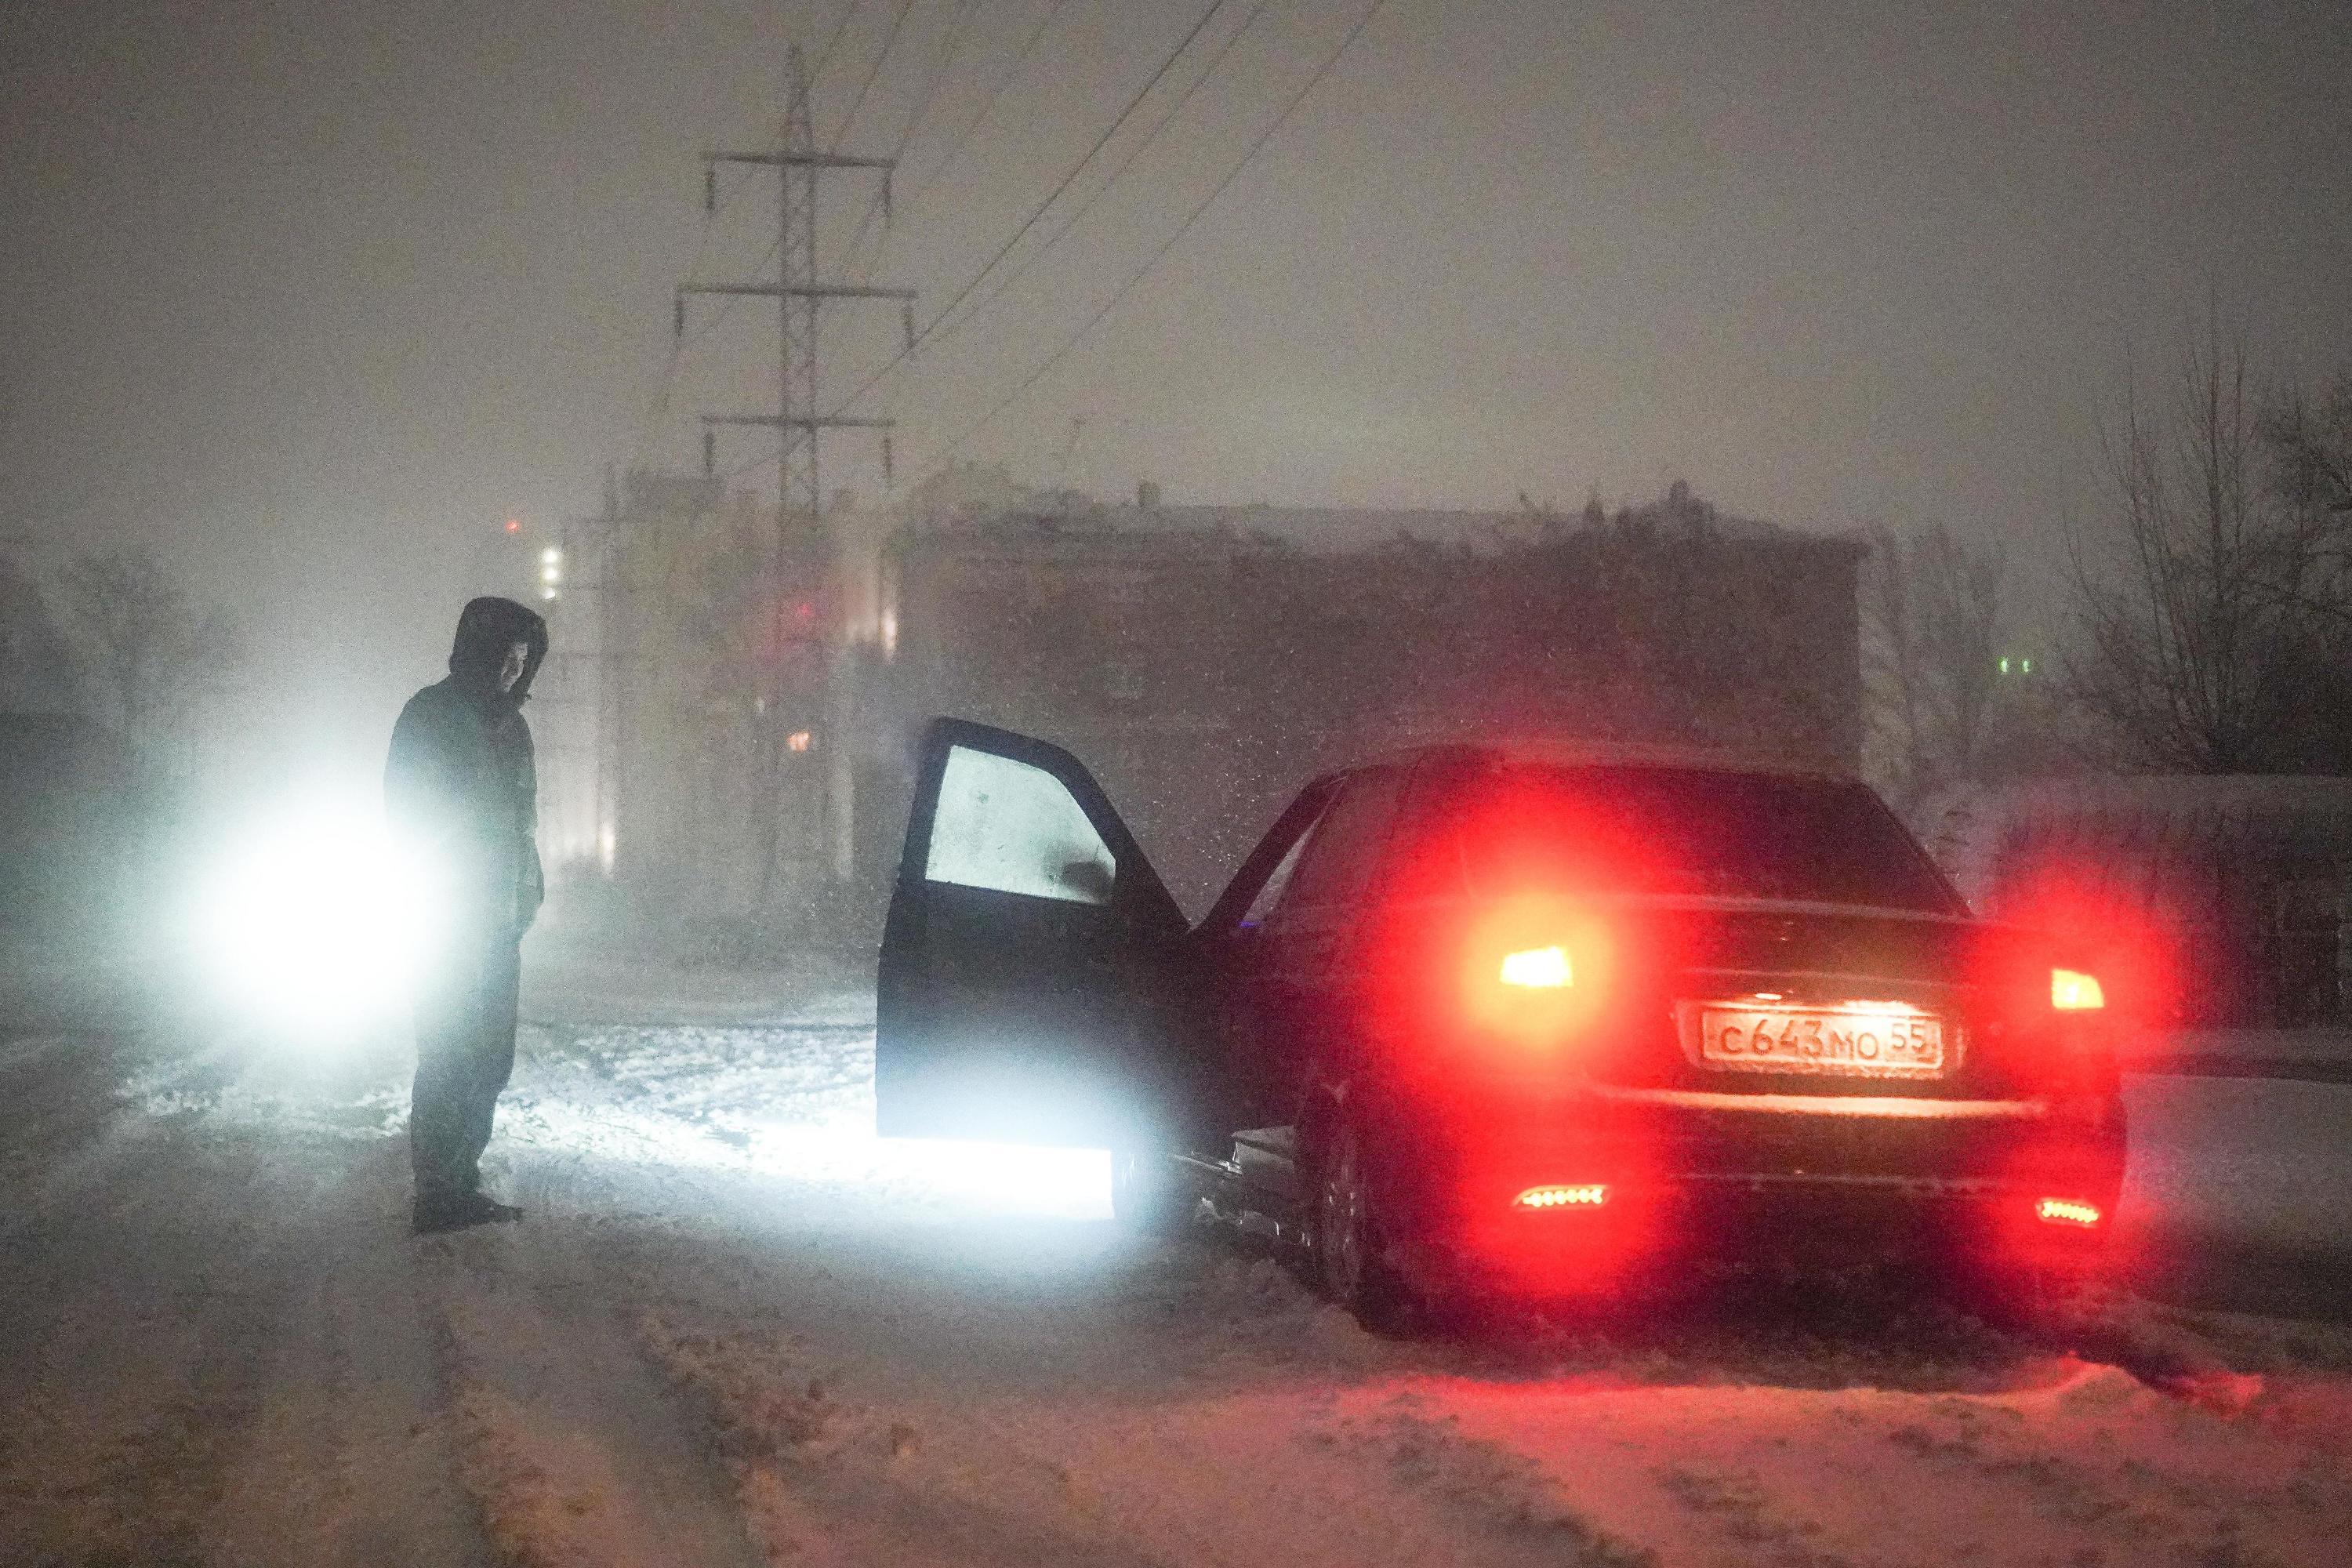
(461, 778)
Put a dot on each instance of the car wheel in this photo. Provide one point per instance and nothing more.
(1350, 1248)
(2036, 1302)
(1146, 1196)
(2061, 1303)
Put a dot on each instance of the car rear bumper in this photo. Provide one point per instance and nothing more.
(1655, 1233)
(1692, 1179)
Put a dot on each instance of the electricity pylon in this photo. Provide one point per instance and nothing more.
(802, 554)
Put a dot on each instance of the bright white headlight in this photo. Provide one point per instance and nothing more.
(319, 918)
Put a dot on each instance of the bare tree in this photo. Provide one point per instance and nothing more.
(2187, 619)
(2309, 439)
(38, 669)
(157, 664)
(1931, 623)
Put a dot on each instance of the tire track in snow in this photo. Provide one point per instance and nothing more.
(232, 1352)
(2080, 1463)
(1210, 1477)
(577, 1455)
(825, 1481)
(119, 1370)
(216, 1358)
(870, 1437)
(351, 1457)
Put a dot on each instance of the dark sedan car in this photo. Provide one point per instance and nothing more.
(1474, 1020)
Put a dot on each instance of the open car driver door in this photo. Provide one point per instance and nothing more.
(1031, 987)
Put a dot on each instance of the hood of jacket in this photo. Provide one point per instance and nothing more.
(486, 629)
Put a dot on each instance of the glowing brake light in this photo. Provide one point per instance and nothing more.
(2067, 1211)
(1539, 967)
(1591, 1195)
(2072, 991)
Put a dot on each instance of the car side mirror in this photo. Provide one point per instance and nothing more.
(1090, 879)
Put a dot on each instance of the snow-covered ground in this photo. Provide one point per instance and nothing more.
(739, 1328)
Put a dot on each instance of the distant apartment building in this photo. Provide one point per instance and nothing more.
(1205, 661)
(729, 741)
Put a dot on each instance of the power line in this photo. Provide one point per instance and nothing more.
(1133, 278)
(965, 10)
(1014, 274)
(825, 53)
(867, 85)
(1136, 276)
(1028, 47)
(1075, 169)
(1038, 211)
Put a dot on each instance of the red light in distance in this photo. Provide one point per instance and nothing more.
(2067, 1211)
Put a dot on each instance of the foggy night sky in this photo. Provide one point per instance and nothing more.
(310, 297)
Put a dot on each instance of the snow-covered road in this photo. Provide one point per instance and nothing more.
(738, 1328)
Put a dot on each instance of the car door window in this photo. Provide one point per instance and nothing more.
(1269, 893)
(1010, 827)
(1335, 859)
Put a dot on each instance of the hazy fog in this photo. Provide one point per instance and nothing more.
(310, 296)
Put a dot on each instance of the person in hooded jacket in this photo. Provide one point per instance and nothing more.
(462, 791)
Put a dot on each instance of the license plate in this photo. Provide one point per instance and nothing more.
(1890, 1043)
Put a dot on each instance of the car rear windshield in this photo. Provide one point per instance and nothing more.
(1681, 832)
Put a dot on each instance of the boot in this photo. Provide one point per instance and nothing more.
(438, 1214)
(483, 1209)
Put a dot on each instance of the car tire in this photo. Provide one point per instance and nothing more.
(2039, 1302)
(1147, 1196)
(2063, 1304)
(1348, 1238)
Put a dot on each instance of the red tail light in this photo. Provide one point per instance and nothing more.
(1586, 1195)
(2127, 944)
(2072, 991)
(1539, 968)
(2068, 1211)
(1534, 969)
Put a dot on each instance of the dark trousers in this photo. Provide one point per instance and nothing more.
(465, 1053)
